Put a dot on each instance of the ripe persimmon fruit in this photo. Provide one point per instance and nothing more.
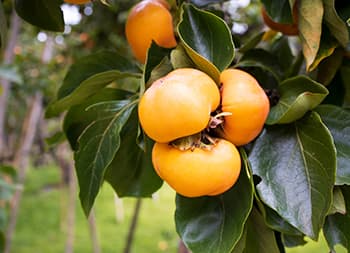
(286, 29)
(242, 96)
(77, 1)
(199, 171)
(149, 20)
(178, 104)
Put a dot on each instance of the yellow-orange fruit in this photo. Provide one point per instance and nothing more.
(242, 96)
(198, 172)
(178, 104)
(149, 20)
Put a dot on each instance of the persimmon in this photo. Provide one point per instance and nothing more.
(77, 1)
(286, 29)
(199, 171)
(149, 20)
(242, 96)
(178, 104)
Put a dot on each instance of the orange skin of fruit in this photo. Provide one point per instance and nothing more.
(77, 1)
(178, 104)
(198, 172)
(242, 96)
(286, 29)
(149, 20)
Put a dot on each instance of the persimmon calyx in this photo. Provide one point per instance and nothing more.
(200, 140)
(217, 120)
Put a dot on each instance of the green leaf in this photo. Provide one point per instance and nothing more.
(207, 40)
(98, 145)
(310, 28)
(293, 240)
(337, 226)
(180, 59)
(78, 118)
(262, 59)
(131, 172)
(93, 64)
(328, 68)
(279, 11)
(3, 27)
(296, 164)
(260, 238)
(86, 89)
(338, 122)
(42, 13)
(202, 3)
(298, 95)
(338, 203)
(215, 224)
(345, 77)
(155, 57)
(335, 24)
(252, 42)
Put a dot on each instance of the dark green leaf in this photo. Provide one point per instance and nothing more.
(207, 40)
(86, 89)
(155, 56)
(338, 122)
(283, 52)
(262, 59)
(279, 11)
(260, 238)
(328, 68)
(310, 28)
(337, 226)
(91, 65)
(293, 240)
(296, 164)
(202, 3)
(251, 43)
(298, 95)
(8, 170)
(335, 24)
(42, 13)
(345, 77)
(180, 59)
(98, 145)
(163, 68)
(78, 118)
(3, 27)
(131, 172)
(338, 203)
(215, 224)
(55, 139)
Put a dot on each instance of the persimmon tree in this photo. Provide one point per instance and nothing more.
(295, 176)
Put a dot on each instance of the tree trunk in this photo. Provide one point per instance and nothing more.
(93, 232)
(21, 160)
(132, 228)
(5, 84)
(71, 204)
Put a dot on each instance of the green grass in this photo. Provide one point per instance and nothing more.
(41, 226)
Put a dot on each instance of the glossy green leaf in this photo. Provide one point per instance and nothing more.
(215, 224)
(293, 240)
(276, 222)
(338, 122)
(202, 3)
(345, 77)
(86, 89)
(252, 42)
(335, 24)
(337, 226)
(155, 55)
(296, 164)
(328, 68)
(298, 95)
(78, 118)
(279, 11)
(98, 145)
(260, 238)
(94, 64)
(263, 59)
(207, 40)
(180, 59)
(131, 172)
(282, 51)
(3, 27)
(310, 28)
(42, 13)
